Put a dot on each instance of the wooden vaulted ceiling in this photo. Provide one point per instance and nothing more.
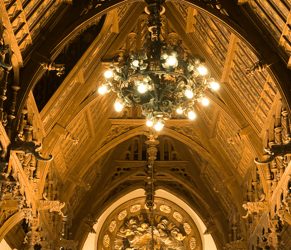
(89, 140)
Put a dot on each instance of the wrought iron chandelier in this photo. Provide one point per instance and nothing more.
(160, 77)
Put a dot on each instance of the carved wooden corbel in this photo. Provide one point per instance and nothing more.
(52, 206)
(256, 67)
(29, 147)
(60, 68)
(276, 151)
(89, 223)
(255, 207)
(4, 49)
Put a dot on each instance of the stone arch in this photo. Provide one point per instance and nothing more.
(10, 223)
(169, 194)
(142, 130)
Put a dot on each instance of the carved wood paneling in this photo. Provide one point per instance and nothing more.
(59, 160)
(229, 139)
(215, 182)
(80, 134)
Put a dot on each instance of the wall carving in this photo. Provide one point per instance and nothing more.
(138, 235)
(134, 229)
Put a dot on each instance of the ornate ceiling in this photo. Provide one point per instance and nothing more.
(100, 155)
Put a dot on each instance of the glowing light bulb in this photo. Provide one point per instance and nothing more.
(149, 123)
(179, 111)
(189, 93)
(191, 115)
(142, 88)
(159, 126)
(205, 101)
(214, 85)
(164, 56)
(171, 61)
(202, 70)
(102, 89)
(118, 106)
(135, 63)
(108, 73)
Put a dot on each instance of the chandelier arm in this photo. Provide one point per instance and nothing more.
(158, 72)
(161, 77)
(163, 93)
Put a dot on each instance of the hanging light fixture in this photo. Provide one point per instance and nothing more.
(161, 77)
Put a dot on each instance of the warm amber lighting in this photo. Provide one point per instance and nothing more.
(135, 63)
(214, 85)
(191, 115)
(149, 123)
(159, 126)
(142, 88)
(102, 89)
(179, 111)
(108, 74)
(189, 93)
(118, 106)
(171, 61)
(202, 70)
(205, 101)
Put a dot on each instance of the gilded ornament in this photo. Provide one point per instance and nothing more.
(122, 215)
(112, 226)
(106, 240)
(118, 244)
(177, 216)
(187, 228)
(135, 208)
(136, 233)
(165, 209)
(192, 243)
(146, 207)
